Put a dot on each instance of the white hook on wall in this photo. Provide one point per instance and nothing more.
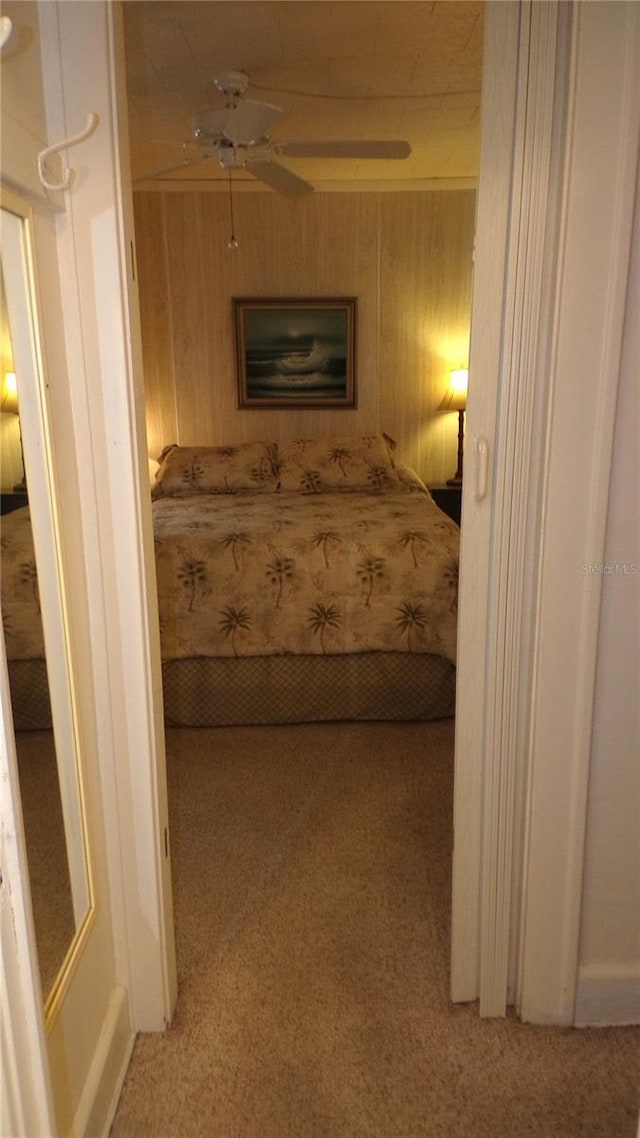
(64, 184)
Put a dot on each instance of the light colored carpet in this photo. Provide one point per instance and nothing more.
(312, 874)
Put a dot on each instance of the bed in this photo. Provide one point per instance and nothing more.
(315, 580)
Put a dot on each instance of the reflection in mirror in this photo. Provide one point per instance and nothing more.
(34, 633)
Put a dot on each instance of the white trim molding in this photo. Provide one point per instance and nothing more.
(99, 1100)
(607, 996)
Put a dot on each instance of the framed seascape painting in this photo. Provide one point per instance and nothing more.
(296, 353)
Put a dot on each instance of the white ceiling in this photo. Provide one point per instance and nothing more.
(351, 69)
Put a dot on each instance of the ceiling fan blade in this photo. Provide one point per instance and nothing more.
(364, 148)
(249, 122)
(279, 178)
(166, 170)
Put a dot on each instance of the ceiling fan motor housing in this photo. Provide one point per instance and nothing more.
(232, 83)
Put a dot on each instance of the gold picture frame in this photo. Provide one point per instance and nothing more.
(295, 352)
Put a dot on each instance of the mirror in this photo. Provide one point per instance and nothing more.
(34, 628)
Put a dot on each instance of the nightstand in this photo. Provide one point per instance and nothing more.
(12, 500)
(449, 499)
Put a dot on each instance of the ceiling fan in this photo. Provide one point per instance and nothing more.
(238, 135)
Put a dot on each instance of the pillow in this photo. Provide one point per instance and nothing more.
(411, 482)
(354, 463)
(239, 469)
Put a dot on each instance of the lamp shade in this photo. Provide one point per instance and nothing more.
(455, 398)
(9, 400)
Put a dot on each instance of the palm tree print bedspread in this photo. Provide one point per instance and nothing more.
(271, 574)
(21, 614)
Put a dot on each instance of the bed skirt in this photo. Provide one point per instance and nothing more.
(211, 692)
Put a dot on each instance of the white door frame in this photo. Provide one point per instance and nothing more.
(524, 708)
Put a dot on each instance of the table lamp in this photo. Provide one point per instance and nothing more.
(9, 406)
(455, 399)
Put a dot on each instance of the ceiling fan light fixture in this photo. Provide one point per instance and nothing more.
(232, 157)
(248, 124)
(208, 126)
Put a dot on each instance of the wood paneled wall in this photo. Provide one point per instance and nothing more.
(406, 257)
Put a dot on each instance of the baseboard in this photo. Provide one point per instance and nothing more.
(607, 996)
(99, 1100)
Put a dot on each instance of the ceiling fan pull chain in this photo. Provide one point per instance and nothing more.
(233, 244)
